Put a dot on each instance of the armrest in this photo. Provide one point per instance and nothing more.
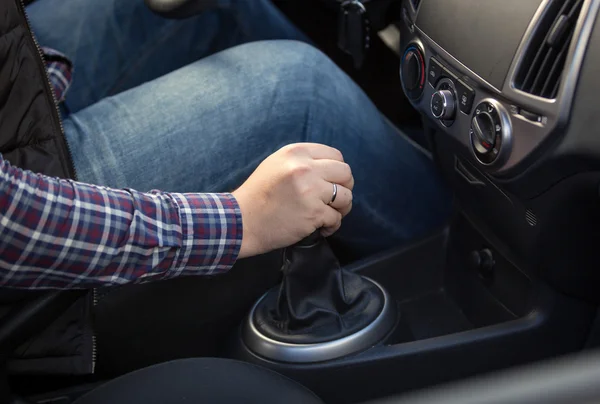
(180, 9)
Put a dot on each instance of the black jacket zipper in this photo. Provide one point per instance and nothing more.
(56, 114)
(71, 166)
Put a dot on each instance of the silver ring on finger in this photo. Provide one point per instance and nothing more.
(334, 194)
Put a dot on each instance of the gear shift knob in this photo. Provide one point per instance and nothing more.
(311, 240)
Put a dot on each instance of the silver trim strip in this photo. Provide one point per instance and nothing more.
(310, 353)
(556, 109)
(412, 7)
(509, 83)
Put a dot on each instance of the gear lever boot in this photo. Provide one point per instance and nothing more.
(319, 303)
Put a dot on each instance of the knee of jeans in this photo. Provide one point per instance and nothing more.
(291, 57)
(297, 50)
(297, 81)
(299, 70)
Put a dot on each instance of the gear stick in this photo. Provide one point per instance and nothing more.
(319, 302)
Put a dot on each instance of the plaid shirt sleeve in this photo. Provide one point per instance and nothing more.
(60, 72)
(57, 234)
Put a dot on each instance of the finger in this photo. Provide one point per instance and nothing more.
(331, 221)
(345, 210)
(335, 172)
(343, 197)
(319, 151)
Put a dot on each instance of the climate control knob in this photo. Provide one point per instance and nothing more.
(412, 72)
(490, 131)
(443, 102)
(483, 126)
(443, 105)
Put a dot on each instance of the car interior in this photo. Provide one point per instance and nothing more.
(501, 94)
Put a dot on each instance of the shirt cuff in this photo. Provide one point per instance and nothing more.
(211, 225)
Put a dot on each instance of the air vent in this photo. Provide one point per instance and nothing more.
(543, 63)
(530, 218)
(416, 3)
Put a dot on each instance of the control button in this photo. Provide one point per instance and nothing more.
(487, 131)
(483, 126)
(530, 115)
(442, 104)
(483, 262)
(437, 104)
(412, 72)
(435, 71)
(465, 96)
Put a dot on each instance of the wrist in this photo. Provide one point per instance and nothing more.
(250, 242)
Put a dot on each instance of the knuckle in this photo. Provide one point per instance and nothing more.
(345, 174)
(336, 219)
(293, 148)
(348, 209)
(316, 213)
(347, 170)
(298, 170)
(351, 182)
(285, 149)
(322, 210)
(338, 154)
(304, 190)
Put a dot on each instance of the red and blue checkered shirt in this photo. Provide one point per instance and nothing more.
(60, 72)
(58, 234)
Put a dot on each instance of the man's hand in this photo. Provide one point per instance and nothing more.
(287, 197)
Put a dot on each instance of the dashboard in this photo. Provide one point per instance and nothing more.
(508, 94)
(498, 76)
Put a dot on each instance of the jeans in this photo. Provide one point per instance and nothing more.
(195, 105)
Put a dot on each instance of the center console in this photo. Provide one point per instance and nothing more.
(460, 308)
(504, 90)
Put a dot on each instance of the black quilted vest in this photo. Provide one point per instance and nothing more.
(31, 137)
